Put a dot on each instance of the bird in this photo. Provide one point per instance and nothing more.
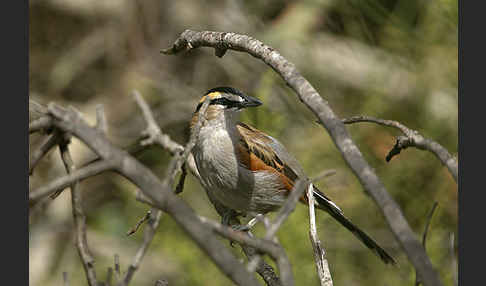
(248, 171)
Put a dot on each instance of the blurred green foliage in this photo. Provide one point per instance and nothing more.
(392, 59)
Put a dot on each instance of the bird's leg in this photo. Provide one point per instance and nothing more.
(228, 216)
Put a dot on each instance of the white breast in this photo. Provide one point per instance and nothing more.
(216, 161)
(226, 180)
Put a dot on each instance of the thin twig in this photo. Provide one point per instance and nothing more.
(319, 106)
(38, 118)
(262, 268)
(454, 259)
(79, 218)
(178, 160)
(101, 123)
(64, 182)
(263, 245)
(411, 139)
(139, 223)
(182, 179)
(117, 268)
(283, 213)
(147, 239)
(65, 279)
(323, 174)
(424, 237)
(286, 209)
(429, 218)
(319, 253)
(153, 131)
(161, 283)
(109, 276)
(47, 144)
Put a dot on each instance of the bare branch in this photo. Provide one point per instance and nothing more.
(109, 276)
(176, 163)
(319, 253)
(263, 245)
(411, 139)
(47, 144)
(155, 135)
(65, 279)
(161, 283)
(323, 174)
(79, 218)
(139, 223)
(42, 123)
(155, 190)
(101, 123)
(286, 209)
(117, 268)
(153, 131)
(311, 98)
(418, 281)
(454, 259)
(38, 118)
(64, 182)
(262, 268)
(282, 215)
(36, 110)
(182, 179)
(427, 224)
(147, 239)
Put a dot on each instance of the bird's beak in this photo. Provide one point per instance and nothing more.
(250, 102)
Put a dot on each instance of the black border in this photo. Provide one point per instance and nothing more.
(15, 89)
(471, 238)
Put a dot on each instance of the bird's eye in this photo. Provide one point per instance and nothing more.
(225, 102)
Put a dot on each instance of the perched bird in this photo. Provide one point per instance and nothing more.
(248, 171)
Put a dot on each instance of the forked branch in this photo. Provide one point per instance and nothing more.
(411, 138)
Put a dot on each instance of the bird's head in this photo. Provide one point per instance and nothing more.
(227, 99)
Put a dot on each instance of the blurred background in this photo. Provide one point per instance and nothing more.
(391, 59)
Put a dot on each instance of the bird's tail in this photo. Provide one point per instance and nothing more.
(324, 203)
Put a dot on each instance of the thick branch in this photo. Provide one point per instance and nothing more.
(152, 187)
(174, 165)
(411, 139)
(79, 218)
(310, 97)
(263, 245)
